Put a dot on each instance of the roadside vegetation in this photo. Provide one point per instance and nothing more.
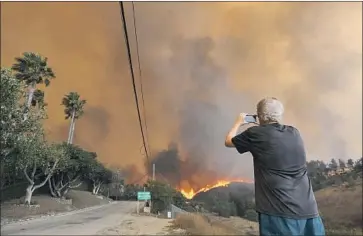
(33, 167)
(26, 154)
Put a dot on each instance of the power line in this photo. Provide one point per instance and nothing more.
(137, 180)
(133, 77)
(140, 75)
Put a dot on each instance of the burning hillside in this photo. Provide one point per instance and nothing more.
(188, 173)
(190, 193)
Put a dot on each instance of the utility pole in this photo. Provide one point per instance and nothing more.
(153, 171)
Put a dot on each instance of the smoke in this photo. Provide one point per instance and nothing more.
(202, 64)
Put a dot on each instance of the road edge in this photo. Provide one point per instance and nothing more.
(41, 217)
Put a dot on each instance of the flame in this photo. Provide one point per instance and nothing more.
(189, 194)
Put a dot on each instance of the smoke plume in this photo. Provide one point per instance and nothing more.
(202, 64)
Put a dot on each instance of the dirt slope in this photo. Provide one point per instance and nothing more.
(197, 224)
(341, 206)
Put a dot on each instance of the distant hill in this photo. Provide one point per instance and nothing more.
(236, 199)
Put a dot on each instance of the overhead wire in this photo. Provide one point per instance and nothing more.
(140, 76)
(133, 78)
(146, 146)
(138, 180)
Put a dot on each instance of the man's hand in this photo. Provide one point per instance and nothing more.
(240, 119)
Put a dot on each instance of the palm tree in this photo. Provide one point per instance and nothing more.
(74, 110)
(38, 99)
(33, 69)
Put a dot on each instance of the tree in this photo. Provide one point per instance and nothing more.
(117, 185)
(224, 208)
(130, 191)
(38, 99)
(322, 167)
(71, 170)
(35, 154)
(74, 110)
(333, 165)
(32, 68)
(10, 94)
(98, 174)
(161, 195)
(22, 140)
(11, 122)
(350, 163)
(179, 200)
(342, 164)
(358, 166)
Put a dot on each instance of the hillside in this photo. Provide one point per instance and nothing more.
(236, 199)
(341, 206)
(234, 188)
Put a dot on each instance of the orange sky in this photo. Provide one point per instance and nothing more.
(202, 64)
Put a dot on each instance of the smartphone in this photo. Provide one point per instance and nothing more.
(251, 118)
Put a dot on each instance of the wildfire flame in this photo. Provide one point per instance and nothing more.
(189, 194)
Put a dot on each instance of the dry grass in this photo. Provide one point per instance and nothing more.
(341, 207)
(196, 224)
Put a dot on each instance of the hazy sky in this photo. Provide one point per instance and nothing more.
(202, 64)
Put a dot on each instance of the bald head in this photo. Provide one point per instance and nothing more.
(270, 110)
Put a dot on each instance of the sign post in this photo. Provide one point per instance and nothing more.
(142, 196)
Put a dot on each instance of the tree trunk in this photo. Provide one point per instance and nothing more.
(61, 189)
(29, 193)
(72, 135)
(71, 127)
(65, 192)
(69, 132)
(58, 187)
(99, 187)
(30, 96)
(59, 193)
(31, 187)
(52, 193)
(96, 187)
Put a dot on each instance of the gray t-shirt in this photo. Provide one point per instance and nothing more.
(282, 186)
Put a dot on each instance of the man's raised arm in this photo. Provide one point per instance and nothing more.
(233, 132)
(241, 141)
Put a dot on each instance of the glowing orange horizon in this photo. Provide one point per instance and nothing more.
(189, 194)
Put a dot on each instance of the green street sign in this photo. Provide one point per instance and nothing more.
(143, 196)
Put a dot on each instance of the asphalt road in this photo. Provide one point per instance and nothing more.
(84, 222)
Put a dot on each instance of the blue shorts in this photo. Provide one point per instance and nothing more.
(275, 225)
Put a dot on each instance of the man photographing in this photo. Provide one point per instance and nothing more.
(285, 201)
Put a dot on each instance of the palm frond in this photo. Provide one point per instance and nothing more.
(33, 69)
(38, 98)
(73, 103)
